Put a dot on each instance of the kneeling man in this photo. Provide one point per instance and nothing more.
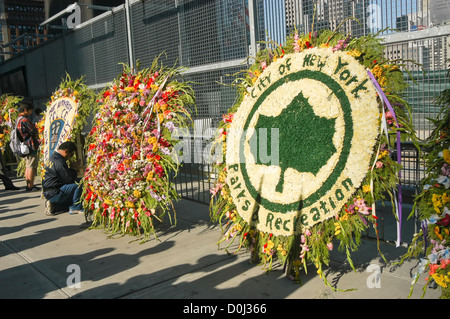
(60, 183)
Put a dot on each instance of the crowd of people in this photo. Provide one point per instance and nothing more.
(61, 187)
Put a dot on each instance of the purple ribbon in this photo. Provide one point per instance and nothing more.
(425, 235)
(391, 109)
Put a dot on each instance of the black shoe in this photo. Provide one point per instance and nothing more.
(12, 188)
(33, 189)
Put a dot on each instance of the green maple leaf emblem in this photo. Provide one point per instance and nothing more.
(305, 139)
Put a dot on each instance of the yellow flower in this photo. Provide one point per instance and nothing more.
(319, 272)
(436, 232)
(441, 280)
(445, 198)
(137, 193)
(108, 202)
(152, 140)
(232, 215)
(354, 53)
(383, 154)
(129, 204)
(281, 248)
(377, 71)
(256, 74)
(268, 247)
(337, 229)
(446, 155)
(366, 188)
(437, 203)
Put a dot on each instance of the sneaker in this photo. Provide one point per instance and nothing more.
(49, 208)
(75, 212)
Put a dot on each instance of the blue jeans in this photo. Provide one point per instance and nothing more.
(69, 194)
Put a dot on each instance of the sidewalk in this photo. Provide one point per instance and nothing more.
(185, 263)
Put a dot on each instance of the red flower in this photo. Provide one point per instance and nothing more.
(444, 221)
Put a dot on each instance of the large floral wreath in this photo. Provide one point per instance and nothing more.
(83, 97)
(296, 238)
(129, 150)
(431, 243)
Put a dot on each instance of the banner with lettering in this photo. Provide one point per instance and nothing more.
(59, 123)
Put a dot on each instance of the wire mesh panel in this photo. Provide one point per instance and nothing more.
(155, 31)
(109, 43)
(213, 31)
(80, 55)
(214, 96)
(427, 77)
(96, 49)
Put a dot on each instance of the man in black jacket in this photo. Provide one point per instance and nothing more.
(60, 182)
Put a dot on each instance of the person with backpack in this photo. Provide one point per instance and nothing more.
(28, 134)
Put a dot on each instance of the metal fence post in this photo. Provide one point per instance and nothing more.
(252, 22)
(129, 38)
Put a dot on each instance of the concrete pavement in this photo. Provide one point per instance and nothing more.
(40, 257)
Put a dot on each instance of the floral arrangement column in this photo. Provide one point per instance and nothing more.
(8, 117)
(432, 242)
(129, 150)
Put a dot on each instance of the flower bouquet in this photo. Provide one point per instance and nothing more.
(333, 163)
(433, 205)
(129, 150)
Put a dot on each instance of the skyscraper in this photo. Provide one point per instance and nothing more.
(308, 15)
(20, 21)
